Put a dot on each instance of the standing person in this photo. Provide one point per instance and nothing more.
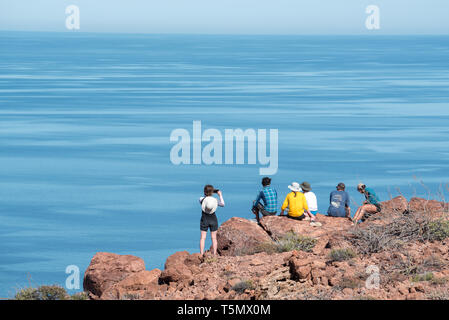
(209, 205)
(269, 197)
(370, 206)
(339, 203)
(297, 205)
(312, 202)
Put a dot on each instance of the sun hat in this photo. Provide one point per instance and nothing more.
(294, 187)
(209, 205)
(305, 186)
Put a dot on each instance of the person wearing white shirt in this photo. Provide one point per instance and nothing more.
(209, 205)
(312, 202)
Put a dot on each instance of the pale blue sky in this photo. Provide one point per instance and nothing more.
(229, 16)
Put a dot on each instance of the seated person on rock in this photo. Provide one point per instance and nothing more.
(268, 195)
(297, 205)
(339, 203)
(312, 202)
(370, 206)
(209, 205)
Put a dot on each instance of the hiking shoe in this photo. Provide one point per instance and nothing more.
(315, 224)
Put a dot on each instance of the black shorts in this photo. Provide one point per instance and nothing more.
(208, 221)
(301, 217)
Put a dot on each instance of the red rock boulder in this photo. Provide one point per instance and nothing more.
(398, 205)
(239, 236)
(180, 267)
(279, 226)
(107, 269)
(134, 286)
(420, 205)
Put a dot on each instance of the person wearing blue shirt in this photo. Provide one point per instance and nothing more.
(370, 206)
(267, 200)
(339, 203)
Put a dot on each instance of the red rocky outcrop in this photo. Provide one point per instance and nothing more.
(180, 266)
(239, 236)
(398, 205)
(106, 269)
(431, 207)
(237, 273)
(329, 234)
(133, 286)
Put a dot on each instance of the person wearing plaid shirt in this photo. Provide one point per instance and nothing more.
(269, 197)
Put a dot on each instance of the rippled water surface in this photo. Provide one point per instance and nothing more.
(85, 121)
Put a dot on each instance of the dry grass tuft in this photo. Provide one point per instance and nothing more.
(392, 235)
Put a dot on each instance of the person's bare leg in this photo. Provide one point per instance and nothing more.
(356, 215)
(213, 234)
(361, 214)
(256, 213)
(311, 216)
(202, 241)
(370, 208)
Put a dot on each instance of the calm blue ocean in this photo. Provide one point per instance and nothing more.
(85, 121)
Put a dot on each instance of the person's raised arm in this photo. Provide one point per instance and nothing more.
(221, 201)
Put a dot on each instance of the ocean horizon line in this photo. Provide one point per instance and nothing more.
(361, 34)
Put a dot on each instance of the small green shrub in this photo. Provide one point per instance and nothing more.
(437, 230)
(342, 254)
(27, 294)
(291, 241)
(268, 247)
(210, 260)
(52, 292)
(242, 286)
(409, 270)
(80, 296)
(428, 276)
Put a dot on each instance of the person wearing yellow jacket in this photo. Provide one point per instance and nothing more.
(297, 205)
